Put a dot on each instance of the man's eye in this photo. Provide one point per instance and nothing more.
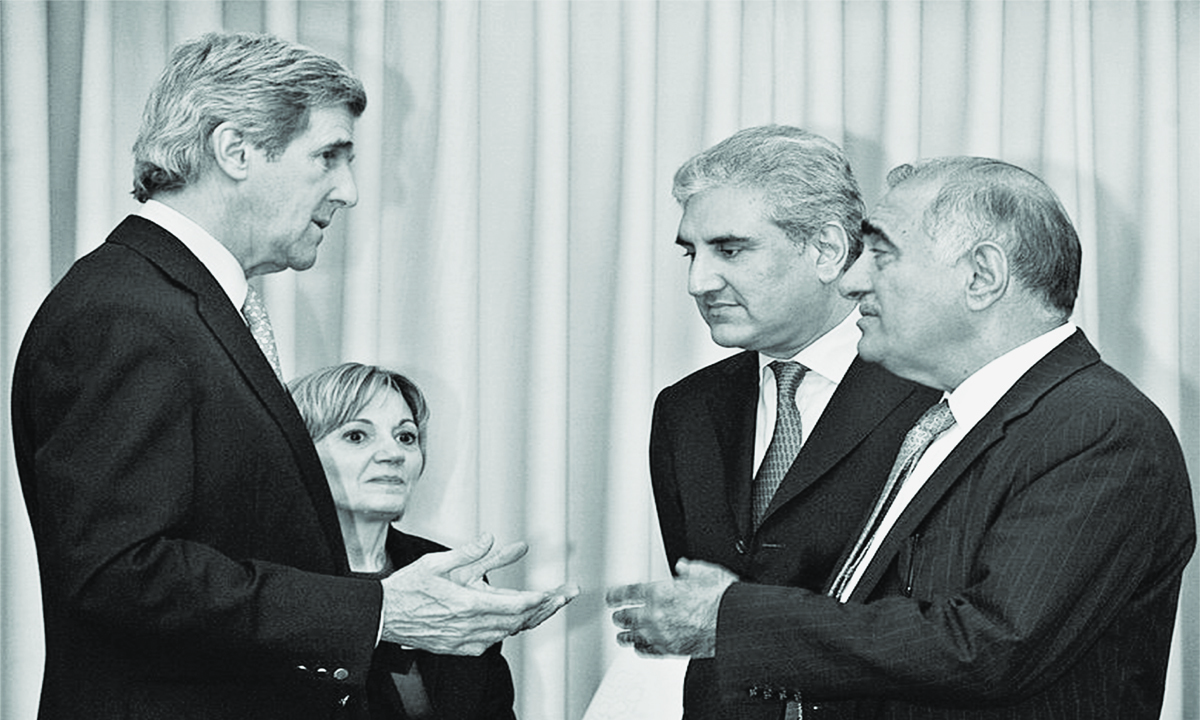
(729, 252)
(335, 156)
(882, 256)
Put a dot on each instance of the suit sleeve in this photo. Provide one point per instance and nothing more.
(1076, 523)
(665, 482)
(111, 403)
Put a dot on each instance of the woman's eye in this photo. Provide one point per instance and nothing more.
(354, 436)
(407, 437)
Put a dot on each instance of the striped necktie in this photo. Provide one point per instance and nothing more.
(785, 441)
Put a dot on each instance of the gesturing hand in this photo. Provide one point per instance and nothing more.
(672, 617)
(440, 603)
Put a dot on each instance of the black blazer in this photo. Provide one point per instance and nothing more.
(459, 687)
(1035, 575)
(701, 466)
(188, 545)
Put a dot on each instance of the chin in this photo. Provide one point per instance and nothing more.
(304, 263)
(866, 353)
(726, 337)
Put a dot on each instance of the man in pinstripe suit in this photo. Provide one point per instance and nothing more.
(1030, 564)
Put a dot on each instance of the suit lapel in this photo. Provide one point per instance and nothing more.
(1069, 357)
(731, 406)
(864, 397)
(228, 328)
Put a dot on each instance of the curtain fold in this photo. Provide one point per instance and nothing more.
(512, 248)
(25, 278)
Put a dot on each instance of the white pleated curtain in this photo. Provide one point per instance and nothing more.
(512, 249)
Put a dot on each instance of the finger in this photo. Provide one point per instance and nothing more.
(442, 563)
(626, 618)
(515, 605)
(626, 595)
(566, 591)
(545, 611)
(638, 643)
(496, 558)
(502, 557)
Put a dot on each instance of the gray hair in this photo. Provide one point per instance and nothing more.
(806, 180)
(333, 396)
(981, 200)
(264, 85)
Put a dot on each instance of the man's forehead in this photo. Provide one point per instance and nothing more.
(332, 125)
(723, 211)
(900, 207)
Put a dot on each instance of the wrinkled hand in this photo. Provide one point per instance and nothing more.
(672, 617)
(441, 603)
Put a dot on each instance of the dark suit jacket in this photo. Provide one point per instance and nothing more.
(459, 688)
(701, 465)
(1034, 576)
(187, 539)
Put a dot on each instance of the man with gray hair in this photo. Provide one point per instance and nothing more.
(191, 560)
(765, 462)
(1024, 560)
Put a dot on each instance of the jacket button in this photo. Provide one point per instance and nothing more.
(341, 674)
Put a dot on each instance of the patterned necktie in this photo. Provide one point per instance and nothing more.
(934, 422)
(785, 442)
(255, 313)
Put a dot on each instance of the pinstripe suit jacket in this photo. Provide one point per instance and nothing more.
(701, 462)
(187, 540)
(1035, 575)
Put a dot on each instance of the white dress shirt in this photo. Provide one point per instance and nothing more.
(969, 402)
(827, 359)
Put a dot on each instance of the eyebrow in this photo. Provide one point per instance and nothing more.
(869, 228)
(344, 147)
(719, 240)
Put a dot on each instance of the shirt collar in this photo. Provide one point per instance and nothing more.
(976, 395)
(207, 249)
(829, 355)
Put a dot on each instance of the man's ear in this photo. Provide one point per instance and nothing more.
(833, 247)
(988, 281)
(231, 150)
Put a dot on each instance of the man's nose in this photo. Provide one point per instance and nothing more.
(345, 191)
(703, 277)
